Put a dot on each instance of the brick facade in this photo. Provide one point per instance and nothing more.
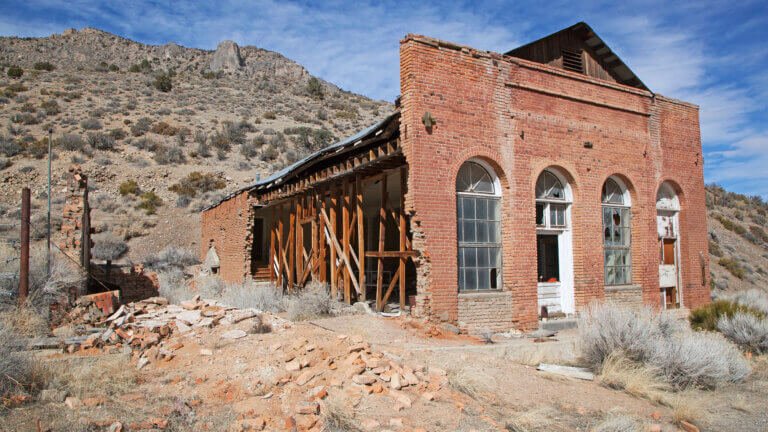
(228, 227)
(522, 117)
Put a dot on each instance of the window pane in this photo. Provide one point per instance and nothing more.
(484, 184)
(495, 279)
(470, 279)
(540, 214)
(469, 208)
(557, 215)
(482, 231)
(482, 209)
(459, 208)
(494, 233)
(461, 257)
(610, 276)
(470, 257)
(494, 209)
(606, 216)
(495, 257)
(607, 236)
(461, 279)
(482, 257)
(484, 278)
(469, 232)
(460, 231)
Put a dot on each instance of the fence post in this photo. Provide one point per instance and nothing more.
(24, 260)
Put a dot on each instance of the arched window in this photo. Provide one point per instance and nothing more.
(617, 233)
(478, 210)
(550, 201)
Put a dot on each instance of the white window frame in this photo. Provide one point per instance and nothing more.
(496, 195)
(548, 226)
(626, 204)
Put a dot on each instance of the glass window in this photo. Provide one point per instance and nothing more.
(617, 235)
(549, 193)
(478, 229)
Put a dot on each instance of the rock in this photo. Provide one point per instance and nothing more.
(318, 392)
(396, 422)
(450, 328)
(363, 307)
(53, 395)
(206, 352)
(394, 382)
(687, 427)
(401, 398)
(369, 424)
(234, 334)
(410, 378)
(182, 328)
(305, 377)
(226, 57)
(188, 305)
(292, 365)
(142, 362)
(428, 396)
(115, 427)
(211, 311)
(72, 402)
(308, 408)
(363, 379)
(190, 317)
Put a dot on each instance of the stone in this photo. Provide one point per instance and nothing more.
(305, 377)
(206, 352)
(401, 398)
(377, 387)
(396, 422)
(308, 408)
(292, 365)
(318, 392)
(688, 427)
(363, 379)
(428, 396)
(53, 395)
(190, 317)
(142, 362)
(115, 427)
(73, 402)
(234, 334)
(410, 378)
(369, 424)
(394, 382)
(227, 57)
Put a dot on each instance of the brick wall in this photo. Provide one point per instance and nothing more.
(228, 226)
(134, 283)
(628, 295)
(522, 117)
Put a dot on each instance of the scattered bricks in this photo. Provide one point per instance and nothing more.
(355, 370)
(336, 382)
(351, 358)
(177, 345)
(288, 357)
(234, 334)
(656, 416)
(379, 370)
(292, 365)
(290, 424)
(318, 392)
(305, 377)
(410, 378)
(306, 422)
(310, 347)
(142, 362)
(358, 347)
(158, 422)
(396, 422)
(401, 398)
(394, 382)
(211, 311)
(377, 387)
(72, 402)
(363, 379)
(195, 402)
(376, 363)
(428, 396)
(369, 424)
(91, 402)
(308, 408)
(687, 427)
(433, 386)
(304, 363)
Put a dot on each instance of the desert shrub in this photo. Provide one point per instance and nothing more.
(163, 83)
(732, 266)
(113, 67)
(14, 72)
(261, 296)
(141, 127)
(43, 66)
(471, 382)
(197, 182)
(756, 299)
(270, 115)
(706, 317)
(314, 89)
(38, 149)
(129, 187)
(100, 141)
(171, 257)
(9, 146)
(208, 75)
(183, 201)
(70, 142)
(91, 124)
(117, 133)
(145, 143)
(210, 287)
(730, 225)
(745, 330)
(269, 153)
(25, 118)
(38, 228)
(619, 422)
(16, 366)
(149, 202)
(683, 357)
(84, 376)
(220, 142)
(714, 248)
(759, 233)
(51, 107)
(203, 150)
(251, 149)
(163, 128)
(169, 155)
(108, 247)
(312, 302)
(234, 132)
(172, 285)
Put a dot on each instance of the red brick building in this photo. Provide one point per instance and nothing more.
(503, 187)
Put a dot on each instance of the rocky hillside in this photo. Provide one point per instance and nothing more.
(738, 241)
(148, 117)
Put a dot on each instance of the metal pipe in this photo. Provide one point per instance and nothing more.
(24, 260)
(48, 222)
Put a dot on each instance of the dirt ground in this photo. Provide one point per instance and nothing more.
(269, 380)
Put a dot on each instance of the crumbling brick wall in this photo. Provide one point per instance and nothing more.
(228, 226)
(523, 117)
(134, 282)
(75, 227)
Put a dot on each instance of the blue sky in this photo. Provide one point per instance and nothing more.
(713, 54)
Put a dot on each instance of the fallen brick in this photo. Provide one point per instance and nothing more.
(308, 408)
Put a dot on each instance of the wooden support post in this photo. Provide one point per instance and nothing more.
(382, 232)
(24, 258)
(280, 247)
(315, 249)
(321, 237)
(334, 204)
(345, 238)
(403, 235)
(291, 245)
(272, 272)
(360, 236)
(299, 238)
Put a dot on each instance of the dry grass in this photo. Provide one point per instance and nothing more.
(543, 418)
(619, 422)
(542, 353)
(741, 403)
(619, 372)
(472, 382)
(109, 375)
(691, 406)
(338, 419)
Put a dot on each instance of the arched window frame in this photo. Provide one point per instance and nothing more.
(551, 211)
(617, 232)
(479, 257)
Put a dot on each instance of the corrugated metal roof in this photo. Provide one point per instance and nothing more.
(278, 177)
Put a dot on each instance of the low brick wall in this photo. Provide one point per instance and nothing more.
(486, 311)
(629, 295)
(134, 283)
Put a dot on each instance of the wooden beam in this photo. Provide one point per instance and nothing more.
(291, 245)
(336, 245)
(332, 230)
(321, 238)
(403, 235)
(392, 254)
(272, 272)
(360, 236)
(382, 231)
(391, 286)
(345, 237)
(280, 245)
(299, 234)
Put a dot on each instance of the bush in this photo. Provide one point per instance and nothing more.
(163, 83)
(197, 182)
(117, 133)
(51, 107)
(251, 149)
(9, 146)
(745, 330)
(706, 317)
(684, 358)
(43, 66)
(113, 68)
(270, 115)
(171, 257)
(91, 124)
(129, 187)
(312, 302)
(16, 366)
(100, 141)
(70, 142)
(314, 89)
(730, 225)
(169, 155)
(14, 72)
(141, 127)
(714, 248)
(147, 144)
(756, 299)
(108, 247)
(172, 285)
(163, 128)
(759, 234)
(261, 296)
(149, 202)
(234, 132)
(732, 266)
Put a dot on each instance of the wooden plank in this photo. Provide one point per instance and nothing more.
(360, 236)
(569, 371)
(321, 238)
(403, 235)
(337, 246)
(272, 272)
(391, 254)
(345, 237)
(299, 234)
(332, 223)
(391, 286)
(281, 256)
(291, 245)
(382, 232)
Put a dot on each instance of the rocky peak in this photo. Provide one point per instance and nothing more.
(227, 57)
